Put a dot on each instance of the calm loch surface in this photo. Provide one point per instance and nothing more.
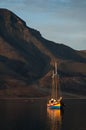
(34, 115)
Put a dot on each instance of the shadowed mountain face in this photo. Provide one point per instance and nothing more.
(21, 51)
(26, 61)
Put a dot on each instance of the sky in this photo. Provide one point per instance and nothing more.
(61, 21)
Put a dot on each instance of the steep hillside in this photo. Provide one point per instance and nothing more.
(63, 52)
(26, 61)
(82, 53)
(17, 46)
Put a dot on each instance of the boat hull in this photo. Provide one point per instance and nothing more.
(52, 106)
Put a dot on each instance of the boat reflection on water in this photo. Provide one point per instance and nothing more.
(54, 118)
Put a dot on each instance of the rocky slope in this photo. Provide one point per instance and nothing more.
(27, 59)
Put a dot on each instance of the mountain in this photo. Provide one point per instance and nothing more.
(27, 60)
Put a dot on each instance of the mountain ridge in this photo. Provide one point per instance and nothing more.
(26, 60)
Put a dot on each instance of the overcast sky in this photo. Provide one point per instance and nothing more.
(61, 21)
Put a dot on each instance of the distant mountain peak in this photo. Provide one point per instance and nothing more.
(8, 15)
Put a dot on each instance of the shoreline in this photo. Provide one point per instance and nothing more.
(39, 98)
(65, 95)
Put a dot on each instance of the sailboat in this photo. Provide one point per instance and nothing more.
(56, 100)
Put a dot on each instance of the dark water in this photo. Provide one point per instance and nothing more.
(34, 115)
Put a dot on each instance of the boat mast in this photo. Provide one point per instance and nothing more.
(56, 80)
(53, 85)
(57, 85)
(54, 93)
